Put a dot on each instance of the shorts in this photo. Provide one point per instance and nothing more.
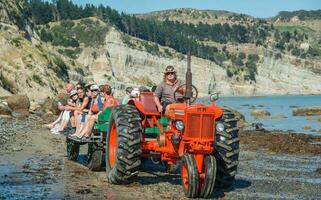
(65, 115)
(165, 104)
(83, 117)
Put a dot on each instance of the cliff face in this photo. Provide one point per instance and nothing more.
(125, 66)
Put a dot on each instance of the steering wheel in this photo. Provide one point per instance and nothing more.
(179, 97)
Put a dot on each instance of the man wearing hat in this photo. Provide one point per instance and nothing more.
(164, 93)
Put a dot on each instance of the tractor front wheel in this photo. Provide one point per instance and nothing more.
(207, 186)
(123, 144)
(94, 157)
(72, 149)
(190, 179)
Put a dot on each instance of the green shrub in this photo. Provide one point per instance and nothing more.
(168, 53)
(151, 48)
(17, 41)
(229, 73)
(80, 71)
(67, 24)
(36, 78)
(314, 52)
(71, 53)
(237, 61)
(253, 58)
(295, 51)
(61, 69)
(45, 36)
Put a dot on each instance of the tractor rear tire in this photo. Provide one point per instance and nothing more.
(72, 149)
(227, 151)
(190, 177)
(123, 144)
(210, 175)
(94, 157)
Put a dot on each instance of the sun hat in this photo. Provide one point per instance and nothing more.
(72, 93)
(169, 69)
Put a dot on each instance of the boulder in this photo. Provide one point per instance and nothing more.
(17, 102)
(260, 113)
(306, 127)
(34, 106)
(5, 109)
(50, 105)
(307, 111)
(279, 116)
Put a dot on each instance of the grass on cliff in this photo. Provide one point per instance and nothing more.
(291, 29)
(36, 78)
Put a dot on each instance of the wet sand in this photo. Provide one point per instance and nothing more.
(273, 165)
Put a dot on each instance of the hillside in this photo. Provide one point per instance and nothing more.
(194, 16)
(125, 60)
(233, 54)
(28, 65)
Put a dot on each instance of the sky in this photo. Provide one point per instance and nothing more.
(256, 8)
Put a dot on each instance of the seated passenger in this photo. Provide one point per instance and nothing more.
(164, 93)
(81, 109)
(127, 96)
(61, 105)
(95, 109)
(106, 93)
(65, 115)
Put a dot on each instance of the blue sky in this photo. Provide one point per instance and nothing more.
(257, 8)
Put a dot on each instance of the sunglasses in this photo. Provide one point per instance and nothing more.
(170, 73)
(94, 90)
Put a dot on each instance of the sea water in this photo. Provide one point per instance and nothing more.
(276, 105)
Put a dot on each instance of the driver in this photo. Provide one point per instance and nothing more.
(164, 93)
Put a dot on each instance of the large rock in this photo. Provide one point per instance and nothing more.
(260, 113)
(51, 104)
(4, 109)
(18, 102)
(34, 106)
(280, 116)
(307, 111)
(306, 127)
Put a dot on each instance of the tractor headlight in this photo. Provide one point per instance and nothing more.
(219, 127)
(179, 125)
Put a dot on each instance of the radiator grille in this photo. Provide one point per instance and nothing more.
(200, 126)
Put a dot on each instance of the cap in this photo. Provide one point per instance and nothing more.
(169, 69)
(94, 87)
(72, 93)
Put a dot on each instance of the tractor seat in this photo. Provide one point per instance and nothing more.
(147, 99)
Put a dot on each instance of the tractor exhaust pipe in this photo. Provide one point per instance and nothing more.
(188, 79)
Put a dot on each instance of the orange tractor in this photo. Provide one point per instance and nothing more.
(204, 137)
